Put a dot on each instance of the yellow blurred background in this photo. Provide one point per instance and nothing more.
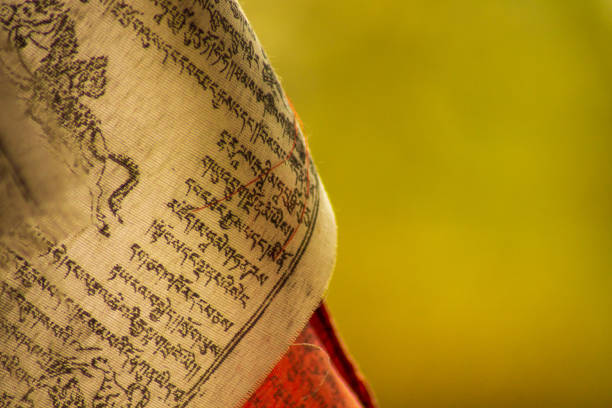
(466, 147)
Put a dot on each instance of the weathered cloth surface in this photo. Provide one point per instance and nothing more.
(316, 372)
(164, 236)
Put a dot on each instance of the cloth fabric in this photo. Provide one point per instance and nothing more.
(316, 372)
(164, 235)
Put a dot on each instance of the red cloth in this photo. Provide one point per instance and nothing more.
(316, 372)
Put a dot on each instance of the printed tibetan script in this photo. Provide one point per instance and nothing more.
(163, 232)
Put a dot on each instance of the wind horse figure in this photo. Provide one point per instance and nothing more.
(39, 53)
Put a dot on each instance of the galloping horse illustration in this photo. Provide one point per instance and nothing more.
(68, 383)
(39, 53)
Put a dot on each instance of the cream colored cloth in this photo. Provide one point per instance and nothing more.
(164, 235)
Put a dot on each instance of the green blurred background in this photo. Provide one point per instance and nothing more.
(466, 148)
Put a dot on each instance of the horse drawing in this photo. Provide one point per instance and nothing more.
(40, 54)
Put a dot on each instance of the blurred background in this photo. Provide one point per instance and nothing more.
(466, 148)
